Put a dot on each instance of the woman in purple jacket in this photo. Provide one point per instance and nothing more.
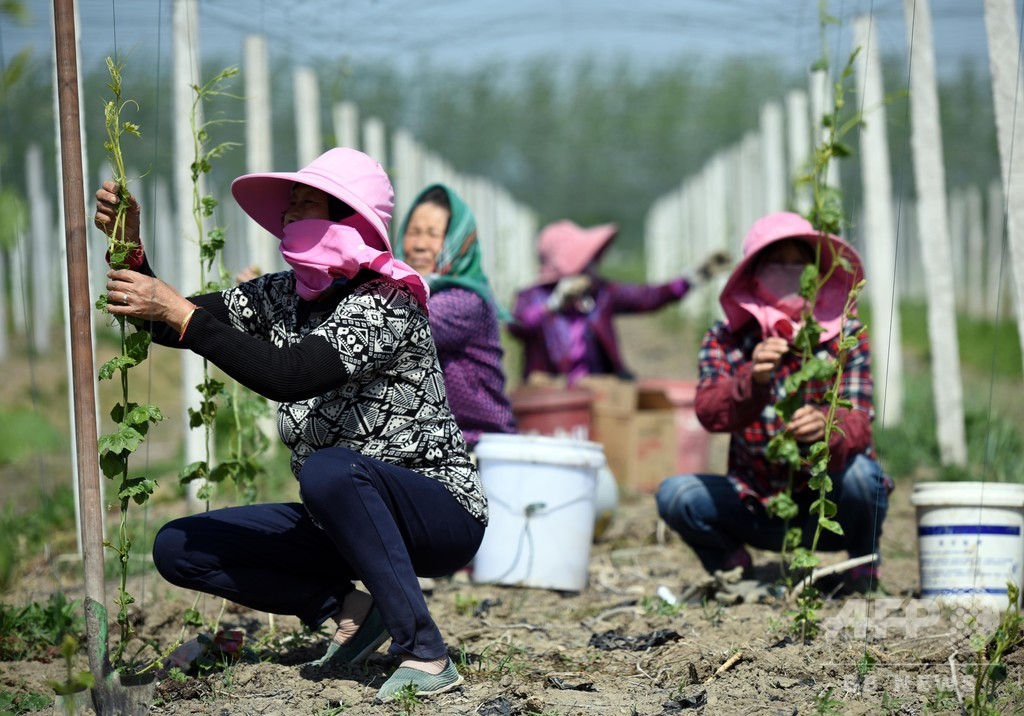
(438, 239)
(565, 320)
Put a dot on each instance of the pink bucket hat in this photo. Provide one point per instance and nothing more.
(565, 248)
(351, 176)
(738, 300)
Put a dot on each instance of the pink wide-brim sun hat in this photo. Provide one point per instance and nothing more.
(353, 177)
(565, 248)
(777, 227)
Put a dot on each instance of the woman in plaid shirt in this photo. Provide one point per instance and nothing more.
(744, 362)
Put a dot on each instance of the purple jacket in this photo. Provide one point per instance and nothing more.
(576, 342)
(465, 329)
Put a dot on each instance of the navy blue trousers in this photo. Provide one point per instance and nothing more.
(360, 519)
(708, 514)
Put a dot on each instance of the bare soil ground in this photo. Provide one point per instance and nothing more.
(612, 648)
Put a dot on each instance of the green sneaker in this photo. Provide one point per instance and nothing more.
(371, 634)
(424, 683)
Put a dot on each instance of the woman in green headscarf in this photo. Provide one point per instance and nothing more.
(438, 239)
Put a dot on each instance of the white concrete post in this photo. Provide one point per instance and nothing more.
(996, 271)
(879, 230)
(346, 124)
(823, 103)
(307, 115)
(185, 22)
(773, 158)
(975, 244)
(39, 250)
(259, 151)
(375, 142)
(799, 145)
(1004, 57)
(933, 235)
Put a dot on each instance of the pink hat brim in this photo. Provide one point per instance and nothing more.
(780, 227)
(265, 196)
(566, 248)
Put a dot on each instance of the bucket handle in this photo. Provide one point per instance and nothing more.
(534, 509)
(538, 509)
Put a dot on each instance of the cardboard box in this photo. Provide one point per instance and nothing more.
(637, 427)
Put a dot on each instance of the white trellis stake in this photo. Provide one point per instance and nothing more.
(933, 236)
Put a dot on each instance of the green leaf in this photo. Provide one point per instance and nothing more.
(113, 464)
(195, 418)
(842, 150)
(783, 448)
(820, 482)
(117, 412)
(792, 539)
(804, 559)
(229, 469)
(793, 401)
(114, 364)
(192, 617)
(817, 451)
(782, 506)
(136, 488)
(210, 388)
(193, 471)
(830, 507)
(127, 438)
(137, 345)
(142, 414)
(831, 526)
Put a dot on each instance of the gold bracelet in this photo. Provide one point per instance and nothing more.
(184, 324)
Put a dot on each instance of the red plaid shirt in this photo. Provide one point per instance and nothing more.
(728, 400)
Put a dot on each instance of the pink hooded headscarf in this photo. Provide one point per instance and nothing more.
(565, 249)
(742, 302)
(320, 251)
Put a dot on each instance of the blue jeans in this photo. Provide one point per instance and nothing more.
(708, 514)
(360, 519)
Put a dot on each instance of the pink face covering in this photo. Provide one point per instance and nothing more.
(744, 298)
(779, 284)
(321, 251)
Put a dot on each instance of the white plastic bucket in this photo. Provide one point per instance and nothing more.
(970, 541)
(541, 492)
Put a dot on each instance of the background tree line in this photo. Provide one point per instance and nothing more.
(594, 141)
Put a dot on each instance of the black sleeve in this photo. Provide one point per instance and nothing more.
(308, 369)
(299, 372)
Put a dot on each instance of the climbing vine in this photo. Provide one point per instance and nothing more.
(131, 420)
(826, 215)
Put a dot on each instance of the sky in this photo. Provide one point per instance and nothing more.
(464, 32)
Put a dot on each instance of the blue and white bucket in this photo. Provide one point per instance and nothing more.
(542, 495)
(970, 541)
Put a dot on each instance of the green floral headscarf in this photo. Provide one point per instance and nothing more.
(460, 262)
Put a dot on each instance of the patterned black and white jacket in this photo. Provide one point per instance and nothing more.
(357, 369)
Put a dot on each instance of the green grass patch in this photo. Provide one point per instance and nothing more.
(51, 517)
(24, 432)
(995, 446)
(990, 348)
(36, 631)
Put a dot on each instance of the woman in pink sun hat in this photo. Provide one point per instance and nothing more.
(566, 319)
(342, 342)
(744, 362)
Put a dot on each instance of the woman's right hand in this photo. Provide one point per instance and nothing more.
(107, 201)
(765, 358)
(135, 295)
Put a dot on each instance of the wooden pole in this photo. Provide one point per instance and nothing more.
(80, 329)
